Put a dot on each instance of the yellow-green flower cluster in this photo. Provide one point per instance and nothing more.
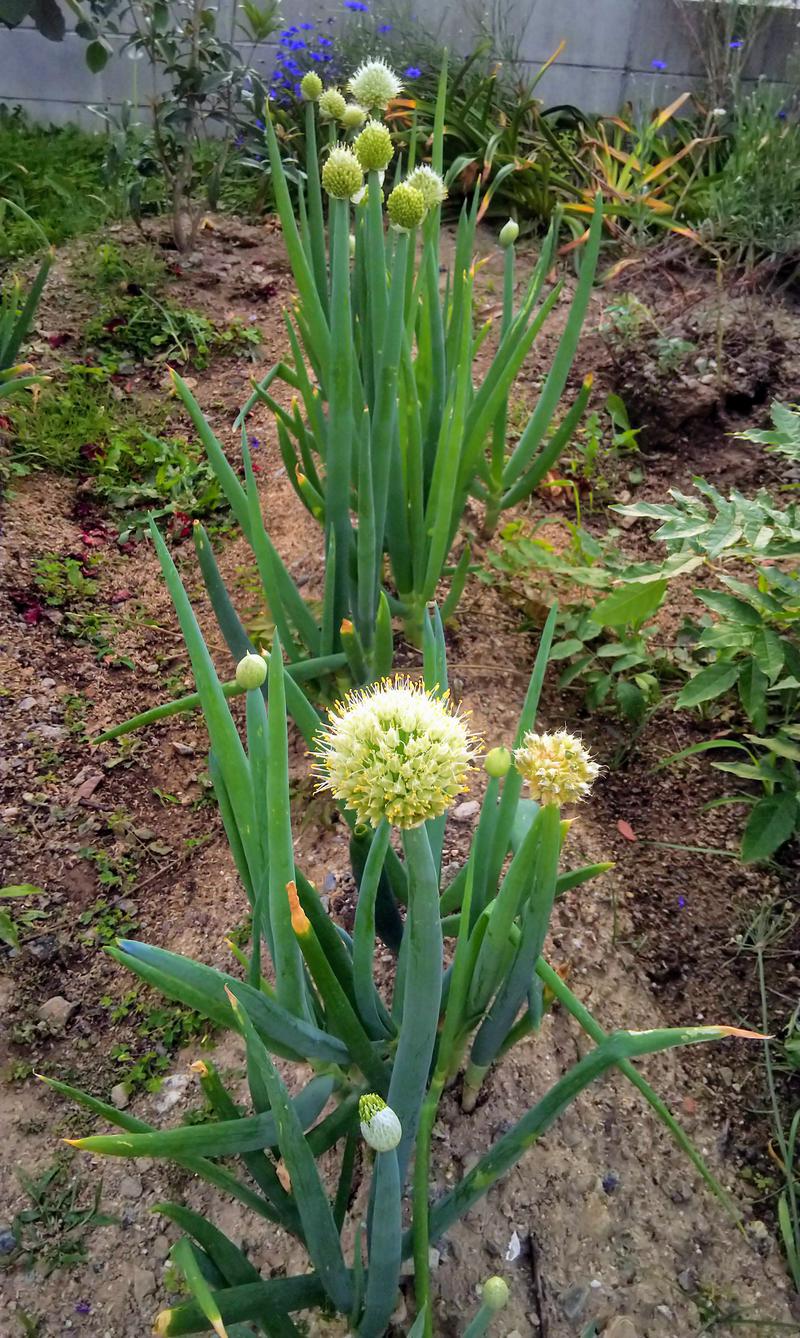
(353, 116)
(311, 86)
(557, 767)
(373, 147)
(405, 207)
(395, 751)
(331, 105)
(342, 176)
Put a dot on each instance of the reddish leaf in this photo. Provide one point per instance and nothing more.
(624, 828)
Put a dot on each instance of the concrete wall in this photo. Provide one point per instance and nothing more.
(607, 60)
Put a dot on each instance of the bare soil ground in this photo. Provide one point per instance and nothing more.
(604, 1220)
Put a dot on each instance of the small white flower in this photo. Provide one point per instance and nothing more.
(374, 84)
(380, 1127)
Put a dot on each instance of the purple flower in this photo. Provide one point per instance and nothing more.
(781, 115)
(681, 903)
(306, 27)
(658, 64)
(385, 28)
(357, 5)
(83, 1308)
(325, 41)
(735, 45)
(254, 441)
(411, 72)
(260, 125)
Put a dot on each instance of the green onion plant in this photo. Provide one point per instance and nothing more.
(394, 756)
(396, 414)
(17, 311)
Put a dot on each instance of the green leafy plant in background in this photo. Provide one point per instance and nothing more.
(783, 438)
(12, 924)
(198, 81)
(17, 313)
(147, 328)
(386, 436)
(395, 757)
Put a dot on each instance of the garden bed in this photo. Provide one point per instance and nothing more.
(605, 1219)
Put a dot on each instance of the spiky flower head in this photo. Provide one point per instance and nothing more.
(331, 104)
(342, 176)
(557, 767)
(373, 147)
(395, 751)
(374, 84)
(251, 671)
(429, 184)
(405, 207)
(311, 86)
(509, 233)
(353, 116)
(494, 1293)
(380, 1127)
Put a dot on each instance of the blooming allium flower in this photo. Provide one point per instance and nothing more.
(429, 184)
(395, 751)
(353, 116)
(373, 147)
(331, 104)
(380, 1127)
(342, 176)
(405, 207)
(374, 84)
(557, 767)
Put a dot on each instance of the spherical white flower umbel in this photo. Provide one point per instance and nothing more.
(557, 767)
(429, 184)
(331, 104)
(395, 751)
(342, 176)
(380, 1127)
(374, 84)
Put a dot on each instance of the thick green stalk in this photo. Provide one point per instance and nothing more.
(340, 409)
(369, 1003)
(422, 990)
(316, 226)
(289, 979)
(498, 446)
(385, 1242)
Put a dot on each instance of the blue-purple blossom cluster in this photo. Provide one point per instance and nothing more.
(300, 48)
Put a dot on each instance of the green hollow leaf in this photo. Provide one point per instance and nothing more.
(711, 682)
(203, 988)
(632, 604)
(227, 1138)
(772, 822)
(239, 1304)
(185, 1258)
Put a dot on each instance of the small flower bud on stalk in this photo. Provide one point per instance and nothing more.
(331, 105)
(509, 233)
(311, 86)
(342, 176)
(353, 116)
(251, 672)
(373, 147)
(498, 762)
(494, 1293)
(380, 1126)
(429, 184)
(405, 207)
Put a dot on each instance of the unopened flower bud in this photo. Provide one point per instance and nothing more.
(311, 86)
(498, 762)
(353, 116)
(373, 147)
(331, 104)
(251, 672)
(342, 176)
(380, 1127)
(509, 233)
(494, 1293)
(405, 207)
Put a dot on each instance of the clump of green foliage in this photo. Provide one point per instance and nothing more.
(61, 203)
(53, 1231)
(73, 418)
(147, 328)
